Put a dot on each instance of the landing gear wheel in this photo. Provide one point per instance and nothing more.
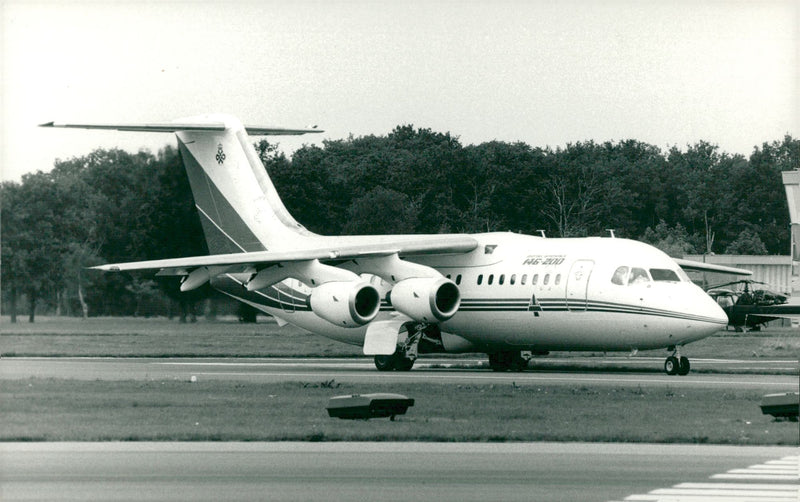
(671, 365)
(393, 362)
(499, 361)
(683, 366)
(385, 363)
(518, 363)
(403, 363)
(507, 361)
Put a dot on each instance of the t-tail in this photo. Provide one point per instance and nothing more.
(239, 208)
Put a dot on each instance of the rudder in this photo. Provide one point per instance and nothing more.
(239, 208)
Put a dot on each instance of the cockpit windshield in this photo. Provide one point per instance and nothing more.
(635, 275)
(664, 274)
(638, 276)
(620, 276)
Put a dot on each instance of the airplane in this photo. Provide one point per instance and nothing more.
(751, 309)
(397, 296)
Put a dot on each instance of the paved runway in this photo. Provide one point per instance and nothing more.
(359, 371)
(387, 471)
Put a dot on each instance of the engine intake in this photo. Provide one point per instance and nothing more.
(347, 304)
(427, 299)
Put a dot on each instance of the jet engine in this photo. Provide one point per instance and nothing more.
(347, 304)
(426, 299)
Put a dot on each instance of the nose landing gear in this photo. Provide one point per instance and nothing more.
(677, 364)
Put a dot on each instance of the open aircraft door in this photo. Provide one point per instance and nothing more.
(578, 284)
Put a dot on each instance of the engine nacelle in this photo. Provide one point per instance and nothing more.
(346, 304)
(426, 299)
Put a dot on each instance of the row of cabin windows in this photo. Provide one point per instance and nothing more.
(458, 278)
(513, 279)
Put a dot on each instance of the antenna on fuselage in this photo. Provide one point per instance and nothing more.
(542, 232)
(611, 231)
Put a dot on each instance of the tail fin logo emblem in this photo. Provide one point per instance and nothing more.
(220, 154)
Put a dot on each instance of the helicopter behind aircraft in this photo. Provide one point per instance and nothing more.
(750, 308)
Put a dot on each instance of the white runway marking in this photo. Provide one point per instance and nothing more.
(784, 469)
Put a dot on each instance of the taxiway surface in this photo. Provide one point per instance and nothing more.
(387, 471)
(359, 370)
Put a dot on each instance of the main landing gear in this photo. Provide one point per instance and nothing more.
(676, 364)
(408, 350)
(396, 361)
(509, 361)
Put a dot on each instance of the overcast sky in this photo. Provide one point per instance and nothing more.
(543, 72)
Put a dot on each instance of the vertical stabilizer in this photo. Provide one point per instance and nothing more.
(238, 206)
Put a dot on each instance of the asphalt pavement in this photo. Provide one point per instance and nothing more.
(361, 370)
(395, 471)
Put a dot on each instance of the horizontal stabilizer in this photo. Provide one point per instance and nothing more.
(183, 126)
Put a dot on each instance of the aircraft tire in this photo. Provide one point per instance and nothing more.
(507, 361)
(403, 363)
(499, 361)
(683, 366)
(385, 363)
(518, 363)
(671, 365)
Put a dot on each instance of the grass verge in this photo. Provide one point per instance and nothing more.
(69, 410)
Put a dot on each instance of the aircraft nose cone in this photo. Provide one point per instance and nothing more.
(713, 311)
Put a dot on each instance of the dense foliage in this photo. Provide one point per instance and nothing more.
(113, 205)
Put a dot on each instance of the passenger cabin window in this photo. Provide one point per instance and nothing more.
(638, 276)
(513, 279)
(620, 276)
(535, 279)
(480, 279)
(458, 279)
(546, 279)
(558, 279)
(502, 279)
(491, 279)
(664, 274)
(524, 279)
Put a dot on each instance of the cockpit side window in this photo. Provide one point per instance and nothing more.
(638, 276)
(620, 276)
(664, 274)
(724, 301)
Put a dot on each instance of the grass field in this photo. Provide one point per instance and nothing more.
(61, 410)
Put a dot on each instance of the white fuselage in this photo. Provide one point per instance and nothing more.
(522, 292)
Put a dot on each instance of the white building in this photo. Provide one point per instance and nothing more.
(775, 271)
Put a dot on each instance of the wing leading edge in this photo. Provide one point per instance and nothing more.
(348, 248)
(708, 267)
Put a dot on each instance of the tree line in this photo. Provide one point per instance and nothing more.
(113, 206)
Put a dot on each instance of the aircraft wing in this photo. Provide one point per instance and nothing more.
(698, 266)
(326, 249)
